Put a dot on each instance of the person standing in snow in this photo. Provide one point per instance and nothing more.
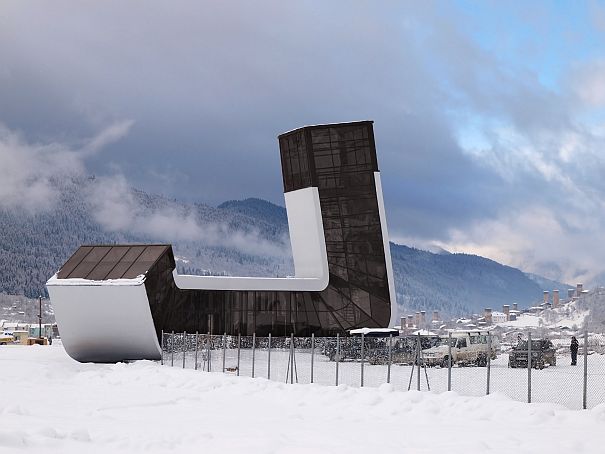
(574, 350)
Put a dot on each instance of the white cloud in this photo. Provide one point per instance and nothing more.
(31, 177)
(117, 208)
(107, 136)
(31, 172)
(589, 83)
(533, 238)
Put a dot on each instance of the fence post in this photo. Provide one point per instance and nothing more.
(418, 361)
(449, 361)
(239, 343)
(209, 352)
(337, 355)
(224, 350)
(162, 347)
(585, 391)
(390, 358)
(529, 367)
(196, 348)
(172, 349)
(184, 347)
(269, 359)
(362, 356)
(291, 358)
(253, 351)
(312, 353)
(489, 360)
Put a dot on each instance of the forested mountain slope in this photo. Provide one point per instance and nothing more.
(460, 283)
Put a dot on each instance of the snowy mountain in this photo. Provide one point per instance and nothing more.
(245, 237)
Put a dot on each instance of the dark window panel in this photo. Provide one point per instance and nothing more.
(144, 261)
(73, 262)
(357, 263)
(91, 260)
(333, 234)
(332, 223)
(126, 262)
(107, 263)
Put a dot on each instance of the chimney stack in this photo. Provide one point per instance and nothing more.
(410, 321)
(506, 310)
(402, 323)
(515, 306)
(579, 289)
(423, 318)
(435, 316)
(488, 315)
(417, 319)
(545, 296)
(555, 298)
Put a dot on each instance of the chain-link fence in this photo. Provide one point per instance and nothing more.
(526, 368)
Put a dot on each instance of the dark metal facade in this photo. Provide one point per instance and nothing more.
(338, 159)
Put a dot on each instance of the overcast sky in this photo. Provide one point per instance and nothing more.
(489, 116)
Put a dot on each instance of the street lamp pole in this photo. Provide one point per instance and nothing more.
(40, 318)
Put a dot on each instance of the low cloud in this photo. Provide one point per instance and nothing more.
(31, 172)
(536, 238)
(117, 207)
(32, 176)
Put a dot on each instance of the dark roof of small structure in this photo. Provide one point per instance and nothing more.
(326, 125)
(99, 262)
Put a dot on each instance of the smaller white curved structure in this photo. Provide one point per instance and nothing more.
(104, 321)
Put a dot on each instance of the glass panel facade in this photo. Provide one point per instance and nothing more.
(340, 160)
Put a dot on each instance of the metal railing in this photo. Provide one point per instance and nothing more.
(523, 372)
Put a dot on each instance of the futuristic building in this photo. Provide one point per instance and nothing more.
(343, 275)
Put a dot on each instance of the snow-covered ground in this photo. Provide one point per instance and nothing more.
(50, 403)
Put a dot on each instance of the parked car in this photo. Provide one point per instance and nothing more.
(543, 352)
(467, 348)
(403, 349)
(376, 348)
(6, 338)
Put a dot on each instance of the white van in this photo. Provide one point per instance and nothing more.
(468, 347)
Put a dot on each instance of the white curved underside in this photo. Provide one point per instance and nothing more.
(308, 251)
(104, 321)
